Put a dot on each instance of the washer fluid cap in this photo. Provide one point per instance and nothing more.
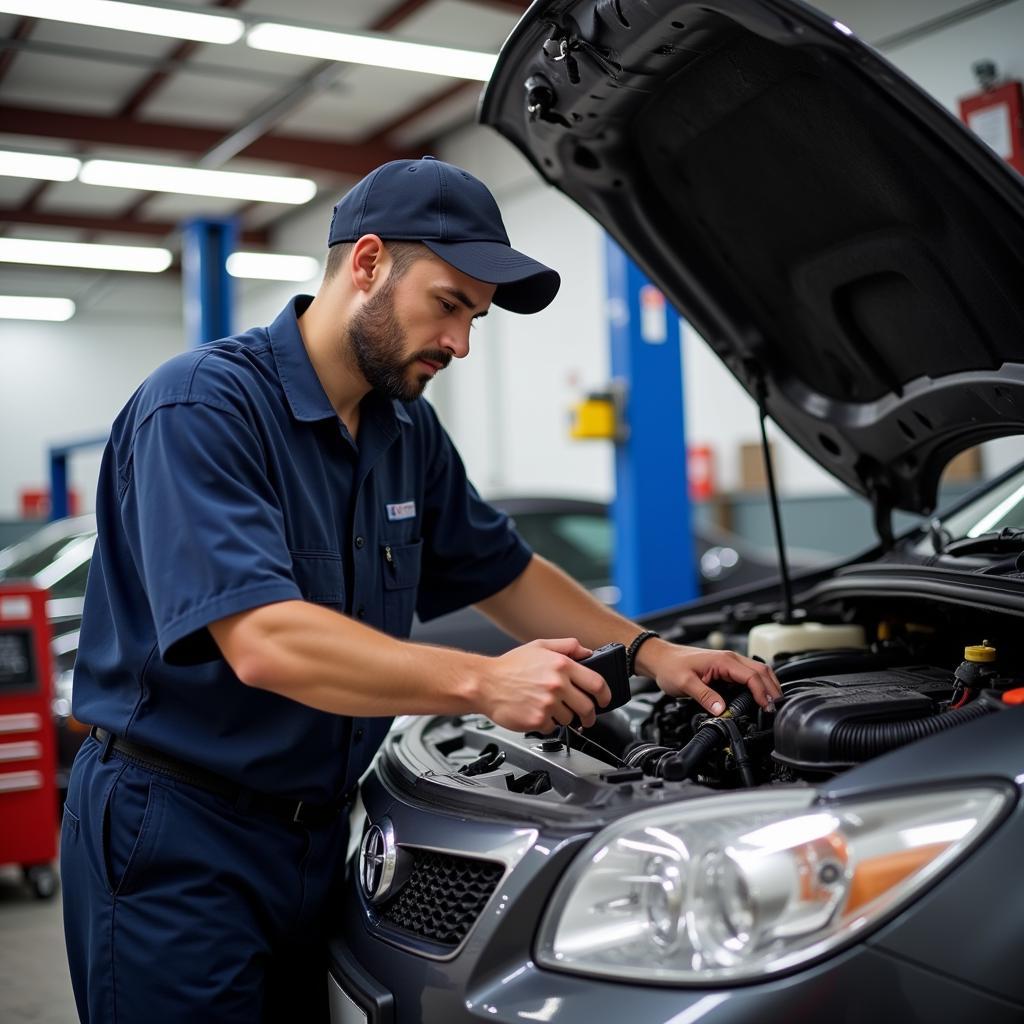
(1014, 696)
(980, 653)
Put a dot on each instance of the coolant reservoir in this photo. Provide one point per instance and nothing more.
(774, 638)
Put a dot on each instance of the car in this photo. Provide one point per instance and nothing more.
(855, 258)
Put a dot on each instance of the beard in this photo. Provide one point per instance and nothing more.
(378, 343)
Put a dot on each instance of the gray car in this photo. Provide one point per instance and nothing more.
(855, 257)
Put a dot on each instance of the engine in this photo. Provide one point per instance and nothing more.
(839, 708)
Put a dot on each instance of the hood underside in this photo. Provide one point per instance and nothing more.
(848, 249)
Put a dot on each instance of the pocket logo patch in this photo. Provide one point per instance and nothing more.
(404, 510)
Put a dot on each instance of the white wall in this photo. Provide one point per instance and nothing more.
(61, 383)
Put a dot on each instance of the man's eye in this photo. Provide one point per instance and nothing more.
(447, 306)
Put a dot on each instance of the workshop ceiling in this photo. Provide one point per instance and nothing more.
(95, 93)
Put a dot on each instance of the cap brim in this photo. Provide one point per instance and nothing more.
(524, 285)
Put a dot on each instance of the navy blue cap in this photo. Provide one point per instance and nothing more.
(455, 216)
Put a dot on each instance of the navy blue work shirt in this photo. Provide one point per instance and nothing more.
(229, 482)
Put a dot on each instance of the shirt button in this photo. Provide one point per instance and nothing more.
(358, 734)
(360, 542)
(361, 612)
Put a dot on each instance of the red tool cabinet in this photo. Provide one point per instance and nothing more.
(28, 792)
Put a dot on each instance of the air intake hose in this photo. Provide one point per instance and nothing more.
(858, 741)
(709, 738)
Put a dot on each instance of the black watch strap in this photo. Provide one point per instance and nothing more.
(634, 647)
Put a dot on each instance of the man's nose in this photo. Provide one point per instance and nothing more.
(456, 341)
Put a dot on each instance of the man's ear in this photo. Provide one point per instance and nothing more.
(368, 262)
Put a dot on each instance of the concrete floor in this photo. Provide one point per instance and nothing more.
(35, 986)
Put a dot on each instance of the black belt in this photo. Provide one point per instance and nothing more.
(300, 812)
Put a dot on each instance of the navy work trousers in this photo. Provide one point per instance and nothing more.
(179, 908)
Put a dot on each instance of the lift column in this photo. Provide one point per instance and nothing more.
(206, 244)
(654, 547)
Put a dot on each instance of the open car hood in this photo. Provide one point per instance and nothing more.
(851, 252)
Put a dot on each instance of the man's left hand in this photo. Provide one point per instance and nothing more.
(686, 672)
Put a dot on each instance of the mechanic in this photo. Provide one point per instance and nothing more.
(271, 509)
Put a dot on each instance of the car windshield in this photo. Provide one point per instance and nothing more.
(578, 543)
(997, 509)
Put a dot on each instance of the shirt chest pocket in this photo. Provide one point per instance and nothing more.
(320, 578)
(401, 579)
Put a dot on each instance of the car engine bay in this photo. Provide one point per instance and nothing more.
(911, 673)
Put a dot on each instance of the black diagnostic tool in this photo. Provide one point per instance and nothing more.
(609, 661)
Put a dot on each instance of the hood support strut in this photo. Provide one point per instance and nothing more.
(773, 494)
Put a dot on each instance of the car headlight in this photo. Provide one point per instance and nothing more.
(738, 886)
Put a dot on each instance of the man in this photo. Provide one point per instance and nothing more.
(272, 508)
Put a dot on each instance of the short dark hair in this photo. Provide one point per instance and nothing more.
(403, 256)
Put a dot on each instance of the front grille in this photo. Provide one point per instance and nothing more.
(443, 896)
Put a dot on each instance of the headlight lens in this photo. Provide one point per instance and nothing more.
(740, 886)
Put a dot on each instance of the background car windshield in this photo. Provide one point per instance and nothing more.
(579, 544)
(997, 509)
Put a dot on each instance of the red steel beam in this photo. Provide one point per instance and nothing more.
(318, 154)
(182, 51)
(421, 108)
(118, 225)
(22, 30)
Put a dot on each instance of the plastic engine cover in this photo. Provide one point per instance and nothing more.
(806, 724)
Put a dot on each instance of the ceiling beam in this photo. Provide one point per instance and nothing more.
(22, 30)
(421, 108)
(353, 159)
(107, 225)
(182, 51)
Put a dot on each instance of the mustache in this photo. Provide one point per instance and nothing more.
(438, 356)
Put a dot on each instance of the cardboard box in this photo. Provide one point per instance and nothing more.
(964, 467)
(752, 474)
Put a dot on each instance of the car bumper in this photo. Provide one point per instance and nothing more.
(491, 976)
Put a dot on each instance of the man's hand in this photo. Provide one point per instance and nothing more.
(686, 672)
(541, 685)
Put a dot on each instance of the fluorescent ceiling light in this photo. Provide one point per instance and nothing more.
(379, 51)
(271, 266)
(79, 254)
(35, 307)
(130, 17)
(194, 181)
(39, 166)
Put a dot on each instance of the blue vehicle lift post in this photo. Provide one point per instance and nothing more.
(60, 505)
(654, 551)
(206, 244)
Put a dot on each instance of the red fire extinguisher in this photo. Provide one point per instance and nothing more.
(996, 114)
(700, 471)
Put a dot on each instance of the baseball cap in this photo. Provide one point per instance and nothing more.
(455, 216)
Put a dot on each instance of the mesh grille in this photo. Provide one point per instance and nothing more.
(444, 895)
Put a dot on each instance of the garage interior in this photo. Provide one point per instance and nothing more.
(86, 111)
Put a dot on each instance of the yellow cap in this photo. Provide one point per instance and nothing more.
(980, 653)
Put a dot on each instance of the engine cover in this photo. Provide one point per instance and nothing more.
(807, 723)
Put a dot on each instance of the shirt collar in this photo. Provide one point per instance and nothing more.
(306, 396)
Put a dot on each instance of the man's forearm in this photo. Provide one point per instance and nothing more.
(545, 601)
(330, 662)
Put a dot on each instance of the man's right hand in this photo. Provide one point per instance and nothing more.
(541, 685)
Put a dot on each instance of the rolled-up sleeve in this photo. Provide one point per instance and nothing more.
(204, 527)
(471, 551)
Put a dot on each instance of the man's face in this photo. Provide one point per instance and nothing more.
(414, 326)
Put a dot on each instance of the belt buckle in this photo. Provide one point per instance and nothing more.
(297, 816)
